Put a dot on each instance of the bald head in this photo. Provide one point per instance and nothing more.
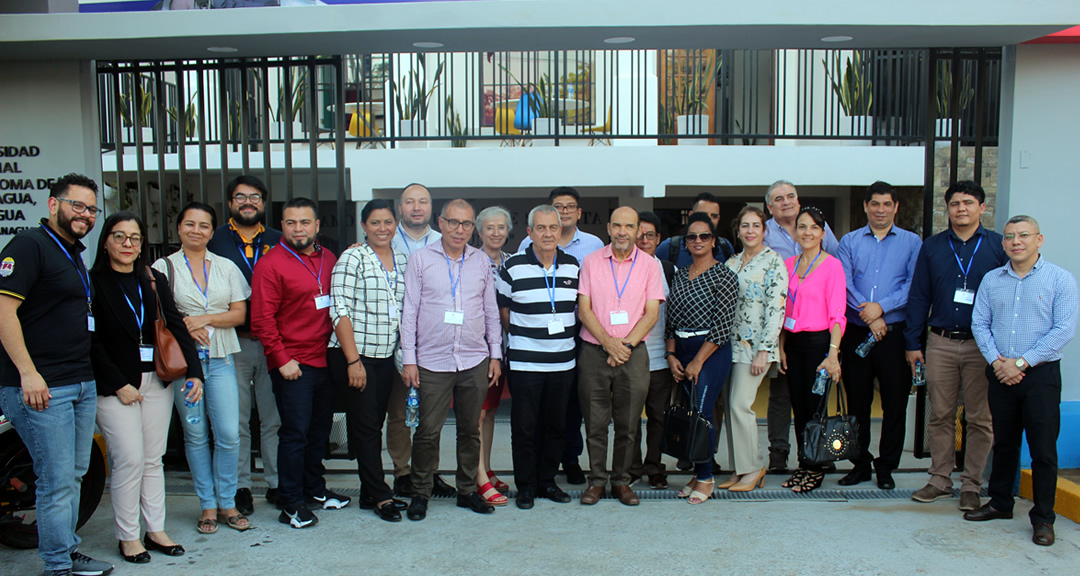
(623, 229)
(415, 207)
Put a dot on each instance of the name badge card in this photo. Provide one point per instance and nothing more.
(393, 310)
(619, 317)
(964, 296)
(789, 323)
(322, 302)
(146, 353)
(556, 327)
(454, 317)
(90, 323)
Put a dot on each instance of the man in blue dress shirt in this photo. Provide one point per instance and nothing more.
(879, 260)
(950, 268)
(1025, 314)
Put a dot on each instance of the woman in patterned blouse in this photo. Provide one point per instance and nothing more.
(700, 313)
(755, 339)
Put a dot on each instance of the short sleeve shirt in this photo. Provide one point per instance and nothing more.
(639, 278)
(227, 285)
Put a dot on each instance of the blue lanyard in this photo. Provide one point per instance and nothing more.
(206, 275)
(619, 291)
(311, 269)
(551, 287)
(254, 248)
(386, 273)
(84, 276)
(970, 262)
(792, 291)
(405, 238)
(453, 282)
(141, 313)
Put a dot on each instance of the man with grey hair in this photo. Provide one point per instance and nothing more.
(782, 199)
(1024, 354)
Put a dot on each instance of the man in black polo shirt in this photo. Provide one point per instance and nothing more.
(244, 239)
(47, 387)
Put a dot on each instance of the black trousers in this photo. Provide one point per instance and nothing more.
(1032, 406)
(538, 425)
(805, 351)
(365, 411)
(306, 406)
(574, 443)
(887, 363)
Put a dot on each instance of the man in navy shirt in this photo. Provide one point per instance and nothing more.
(950, 268)
(674, 249)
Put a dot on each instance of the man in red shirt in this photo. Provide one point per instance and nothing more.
(290, 301)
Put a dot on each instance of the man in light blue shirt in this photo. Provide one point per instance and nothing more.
(878, 260)
(1025, 313)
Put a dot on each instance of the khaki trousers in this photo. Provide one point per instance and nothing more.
(742, 433)
(468, 389)
(611, 394)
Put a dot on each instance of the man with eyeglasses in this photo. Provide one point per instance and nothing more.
(244, 239)
(451, 347)
(579, 244)
(47, 388)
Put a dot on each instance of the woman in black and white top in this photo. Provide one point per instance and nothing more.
(700, 314)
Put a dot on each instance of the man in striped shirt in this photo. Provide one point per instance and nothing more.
(537, 293)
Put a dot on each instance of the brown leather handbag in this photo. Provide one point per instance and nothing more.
(169, 361)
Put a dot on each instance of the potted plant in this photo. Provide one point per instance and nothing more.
(296, 97)
(687, 106)
(542, 104)
(412, 99)
(854, 93)
(943, 124)
(139, 104)
(453, 124)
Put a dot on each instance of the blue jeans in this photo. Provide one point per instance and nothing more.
(710, 383)
(215, 478)
(59, 439)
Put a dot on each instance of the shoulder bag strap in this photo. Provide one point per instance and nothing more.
(674, 243)
(157, 299)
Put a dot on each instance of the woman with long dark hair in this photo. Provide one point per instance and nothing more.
(134, 406)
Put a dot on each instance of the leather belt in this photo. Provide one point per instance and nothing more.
(953, 334)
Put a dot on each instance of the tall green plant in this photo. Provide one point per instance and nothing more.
(298, 94)
(191, 117)
(854, 90)
(140, 102)
(943, 97)
(413, 96)
(453, 124)
(692, 84)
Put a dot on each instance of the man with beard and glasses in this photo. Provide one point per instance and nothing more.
(47, 387)
(244, 240)
(290, 301)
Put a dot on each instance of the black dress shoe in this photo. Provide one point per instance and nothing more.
(244, 502)
(574, 473)
(555, 494)
(440, 489)
(525, 499)
(885, 480)
(403, 487)
(986, 512)
(369, 504)
(1043, 534)
(388, 512)
(140, 558)
(174, 550)
(475, 502)
(856, 476)
(417, 508)
(271, 496)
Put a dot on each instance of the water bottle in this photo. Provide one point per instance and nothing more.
(866, 345)
(920, 375)
(412, 408)
(191, 411)
(820, 382)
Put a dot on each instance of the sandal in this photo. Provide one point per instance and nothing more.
(234, 522)
(810, 481)
(498, 484)
(697, 497)
(491, 495)
(206, 526)
(795, 479)
(688, 489)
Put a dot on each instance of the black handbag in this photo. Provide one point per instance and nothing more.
(686, 434)
(831, 438)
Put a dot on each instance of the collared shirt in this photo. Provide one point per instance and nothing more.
(705, 303)
(817, 301)
(435, 284)
(402, 242)
(1033, 317)
(580, 246)
(654, 344)
(225, 285)
(938, 276)
(777, 238)
(228, 242)
(759, 317)
(640, 283)
(370, 296)
(879, 270)
(527, 290)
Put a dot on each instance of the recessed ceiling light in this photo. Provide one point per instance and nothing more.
(619, 40)
(428, 44)
(837, 39)
(221, 49)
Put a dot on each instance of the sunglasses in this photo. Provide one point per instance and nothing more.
(704, 237)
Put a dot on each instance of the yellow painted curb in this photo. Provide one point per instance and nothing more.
(1067, 501)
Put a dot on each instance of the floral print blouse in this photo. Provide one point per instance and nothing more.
(759, 316)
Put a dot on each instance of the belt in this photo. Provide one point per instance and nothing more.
(690, 333)
(953, 334)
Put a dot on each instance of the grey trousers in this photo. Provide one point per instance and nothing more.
(252, 379)
(611, 394)
(398, 435)
(779, 413)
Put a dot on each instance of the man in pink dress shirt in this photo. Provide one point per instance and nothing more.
(451, 346)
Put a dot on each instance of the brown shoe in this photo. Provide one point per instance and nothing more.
(930, 493)
(592, 495)
(1043, 534)
(626, 495)
(969, 501)
(986, 512)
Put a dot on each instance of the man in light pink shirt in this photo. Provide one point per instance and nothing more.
(451, 346)
(619, 295)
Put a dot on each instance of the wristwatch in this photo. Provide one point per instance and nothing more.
(668, 354)
(1021, 364)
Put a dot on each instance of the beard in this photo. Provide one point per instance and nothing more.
(64, 223)
(300, 245)
(241, 220)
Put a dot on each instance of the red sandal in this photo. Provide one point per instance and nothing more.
(498, 484)
(491, 495)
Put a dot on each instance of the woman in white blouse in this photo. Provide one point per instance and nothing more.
(212, 294)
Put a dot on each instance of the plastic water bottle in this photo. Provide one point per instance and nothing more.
(191, 408)
(412, 408)
(820, 382)
(866, 345)
(920, 375)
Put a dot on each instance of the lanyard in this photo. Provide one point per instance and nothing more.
(618, 291)
(141, 313)
(254, 248)
(970, 262)
(453, 282)
(551, 287)
(84, 276)
(206, 275)
(792, 291)
(392, 286)
(502, 261)
(310, 269)
(405, 239)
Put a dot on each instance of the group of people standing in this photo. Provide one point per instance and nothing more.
(580, 332)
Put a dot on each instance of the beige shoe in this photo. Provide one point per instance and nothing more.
(969, 501)
(930, 493)
(729, 482)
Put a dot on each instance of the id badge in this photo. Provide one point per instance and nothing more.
(789, 323)
(393, 310)
(964, 296)
(322, 302)
(90, 323)
(454, 317)
(619, 317)
(146, 353)
(556, 327)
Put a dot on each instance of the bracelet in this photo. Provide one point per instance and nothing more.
(834, 346)
(354, 361)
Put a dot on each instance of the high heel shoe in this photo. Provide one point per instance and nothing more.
(174, 550)
(688, 489)
(498, 484)
(729, 482)
(697, 497)
(758, 481)
(140, 558)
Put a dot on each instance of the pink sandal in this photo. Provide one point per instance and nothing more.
(491, 495)
(498, 484)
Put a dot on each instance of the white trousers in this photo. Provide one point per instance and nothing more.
(742, 434)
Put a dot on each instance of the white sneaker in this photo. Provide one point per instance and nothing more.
(330, 500)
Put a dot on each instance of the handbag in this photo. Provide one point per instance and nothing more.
(169, 361)
(686, 434)
(831, 438)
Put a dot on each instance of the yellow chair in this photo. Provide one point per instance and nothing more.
(604, 128)
(361, 126)
(504, 124)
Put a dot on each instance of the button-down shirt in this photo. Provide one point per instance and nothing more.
(654, 344)
(370, 296)
(777, 238)
(402, 242)
(641, 282)
(580, 246)
(938, 276)
(426, 339)
(879, 270)
(1033, 317)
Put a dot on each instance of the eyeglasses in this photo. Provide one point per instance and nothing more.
(649, 235)
(1024, 236)
(81, 208)
(121, 238)
(453, 223)
(705, 237)
(565, 207)
(256, 198)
